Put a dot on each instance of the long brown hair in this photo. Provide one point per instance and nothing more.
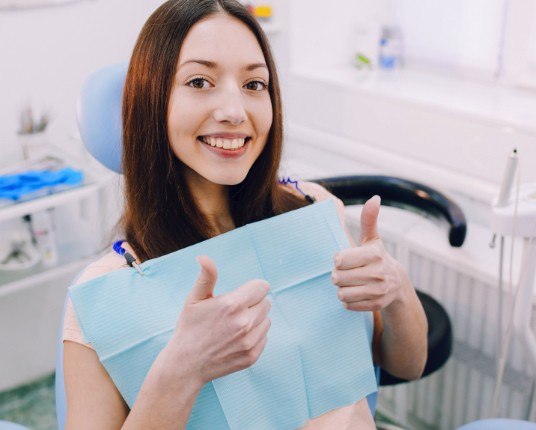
(160, 213)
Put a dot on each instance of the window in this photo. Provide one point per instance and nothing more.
(519, 57)
(452, 35)
(489, 39)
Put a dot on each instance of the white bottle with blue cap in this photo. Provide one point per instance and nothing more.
(391, 52)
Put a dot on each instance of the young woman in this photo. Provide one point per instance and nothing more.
(202, 137)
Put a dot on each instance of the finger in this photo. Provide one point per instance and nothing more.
(260, 311)
(257, 350)
(206, 280)
(255, 336)
(360, 293)
(357, 256)
(354, 277)
(250, 293)
(364, 305)
(369, 219)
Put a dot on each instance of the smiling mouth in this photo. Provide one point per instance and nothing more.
(228, 144)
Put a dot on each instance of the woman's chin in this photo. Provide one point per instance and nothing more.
(229, 178)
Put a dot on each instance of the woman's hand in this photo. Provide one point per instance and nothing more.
(369, 279)
(219, 335)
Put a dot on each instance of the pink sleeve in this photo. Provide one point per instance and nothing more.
(71, 328)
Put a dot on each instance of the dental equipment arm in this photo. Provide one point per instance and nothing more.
(525, 298)
(515, 218)
(518, 218)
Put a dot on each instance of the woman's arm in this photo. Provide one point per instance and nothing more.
(403, 342)
(372, 280)
(166, 397)
(165, 400)
(200, 350)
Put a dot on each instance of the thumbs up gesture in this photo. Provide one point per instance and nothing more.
(218, 335)
(369, 279)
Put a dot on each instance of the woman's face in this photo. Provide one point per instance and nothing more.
(220, 112)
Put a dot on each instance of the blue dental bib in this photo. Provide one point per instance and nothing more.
(318, 354)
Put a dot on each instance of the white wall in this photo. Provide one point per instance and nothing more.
(440, 129)
(324, 33)
(46, 53)
(460, 36)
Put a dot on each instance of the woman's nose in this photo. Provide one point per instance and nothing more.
(230, 108)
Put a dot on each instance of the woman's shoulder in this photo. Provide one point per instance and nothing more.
(106, 263)
(311, 188)
(318, 192)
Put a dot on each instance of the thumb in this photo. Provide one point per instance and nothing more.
(205, 282)
(369, 219)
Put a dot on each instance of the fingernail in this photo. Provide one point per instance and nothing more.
(340, 296)
(376, 197)
(337, 260)
(334, 278)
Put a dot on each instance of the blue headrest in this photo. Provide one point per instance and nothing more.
(99, 115)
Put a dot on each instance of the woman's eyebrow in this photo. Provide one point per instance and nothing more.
(212, 65)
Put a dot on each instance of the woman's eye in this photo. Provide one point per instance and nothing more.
(256, 86)
(198, 83)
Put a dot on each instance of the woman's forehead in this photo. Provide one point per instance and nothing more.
(221, 39)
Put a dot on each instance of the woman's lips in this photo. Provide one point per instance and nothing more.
(226, 153)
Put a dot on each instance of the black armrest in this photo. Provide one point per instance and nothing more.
(401, 193)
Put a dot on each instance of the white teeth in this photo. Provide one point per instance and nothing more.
(224, 143)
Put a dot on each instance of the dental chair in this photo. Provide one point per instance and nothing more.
(99, 116)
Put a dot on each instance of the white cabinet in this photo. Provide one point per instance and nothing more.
(31, 300)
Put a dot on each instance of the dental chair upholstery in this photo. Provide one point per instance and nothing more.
(99, 120)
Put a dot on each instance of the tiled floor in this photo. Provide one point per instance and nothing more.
(31, 405)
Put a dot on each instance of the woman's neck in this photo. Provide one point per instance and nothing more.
(213, 201)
